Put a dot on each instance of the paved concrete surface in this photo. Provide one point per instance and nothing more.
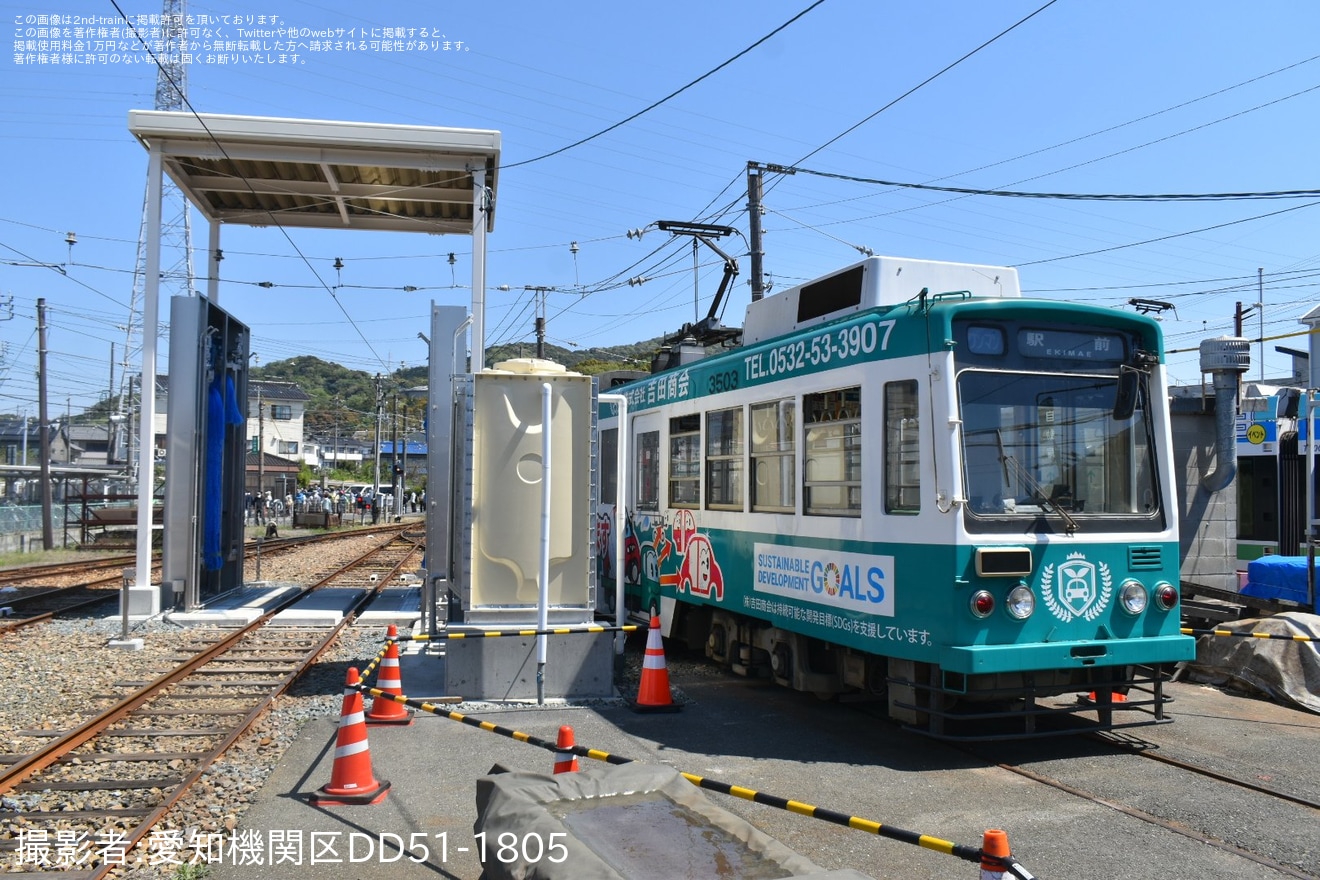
(831, 755)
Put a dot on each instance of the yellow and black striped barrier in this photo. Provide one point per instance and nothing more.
(962, 851)
(1188, 631)
(375, 661)
(494, 634)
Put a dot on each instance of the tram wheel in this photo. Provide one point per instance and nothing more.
(877, 677)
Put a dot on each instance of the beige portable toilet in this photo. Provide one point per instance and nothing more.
(507, 490)
(500, 545)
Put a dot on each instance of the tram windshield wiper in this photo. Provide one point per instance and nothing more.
(1014, 469)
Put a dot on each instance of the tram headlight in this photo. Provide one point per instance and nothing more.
(983, 604)
(1132, 597)
(1166, 595)
(1021, 602)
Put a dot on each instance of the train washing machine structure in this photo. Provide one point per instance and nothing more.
(206, 453)
(267, 171)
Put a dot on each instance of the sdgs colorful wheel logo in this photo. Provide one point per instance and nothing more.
(852, 581)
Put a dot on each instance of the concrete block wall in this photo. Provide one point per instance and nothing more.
(1208, 522)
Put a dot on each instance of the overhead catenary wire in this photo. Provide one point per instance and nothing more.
(717, 182)
(274, 219)
(1144, 118)
(1083, 197)
(927, 81)
(666, 98)
(1168, 237)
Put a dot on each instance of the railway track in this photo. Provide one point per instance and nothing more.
(1172, 794)
(1309, 815)
(1171, 791)
(111, 567)
(99, 788)
(58, 572)
(35, 594)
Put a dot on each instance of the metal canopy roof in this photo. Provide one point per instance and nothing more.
(263, 171)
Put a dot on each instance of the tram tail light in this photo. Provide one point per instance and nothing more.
(1166, 596)
(982, 603)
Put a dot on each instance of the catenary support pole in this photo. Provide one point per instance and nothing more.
(543, 599)
(620, 509)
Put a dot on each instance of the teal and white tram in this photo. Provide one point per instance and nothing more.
(910, 482)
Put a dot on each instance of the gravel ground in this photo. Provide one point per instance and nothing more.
(63, 672)
(227, 789)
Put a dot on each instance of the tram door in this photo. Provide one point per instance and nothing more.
(643, 519)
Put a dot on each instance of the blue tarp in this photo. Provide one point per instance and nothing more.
(1278, 577)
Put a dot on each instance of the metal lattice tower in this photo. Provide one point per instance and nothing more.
(176, 278)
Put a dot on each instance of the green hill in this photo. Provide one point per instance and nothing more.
(346, 398)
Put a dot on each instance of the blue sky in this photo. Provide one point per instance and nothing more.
(1122, 97)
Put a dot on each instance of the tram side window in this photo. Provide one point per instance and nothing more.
(832, 447)
(773, 484)
(724, 459)
(648, 471)
(685, 461)
(902, 448)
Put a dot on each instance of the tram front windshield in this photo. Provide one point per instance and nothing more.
(1045, 448)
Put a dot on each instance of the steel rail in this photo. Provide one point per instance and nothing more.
(206, 759)
(61, 746)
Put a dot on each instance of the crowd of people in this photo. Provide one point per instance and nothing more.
(337, 502)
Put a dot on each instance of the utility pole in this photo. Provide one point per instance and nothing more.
(696, 283)
(130, 425)
(109, 412)
(380, 416)
(540, 317)
(754, 178)
(43, 423)
(1260, 317)
(394, 457)
(403, 474)
(336, 433)
(261, 449)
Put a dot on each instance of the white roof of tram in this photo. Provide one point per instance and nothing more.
(319, 173)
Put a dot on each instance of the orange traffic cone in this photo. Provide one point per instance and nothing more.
(994, 855)
(653, 693)
(351, 781)
(1115, 697)
(383, 709)
(565, 760)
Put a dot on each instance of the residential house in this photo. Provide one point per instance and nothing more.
(346, 451)
(91, 443)
(20, 436)
(276, 411)
(273, 428)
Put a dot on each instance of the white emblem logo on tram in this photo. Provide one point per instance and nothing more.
(1077, 592)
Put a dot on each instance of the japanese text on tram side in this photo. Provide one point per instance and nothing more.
(866, 628)
(837, 346)
(56, 39)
